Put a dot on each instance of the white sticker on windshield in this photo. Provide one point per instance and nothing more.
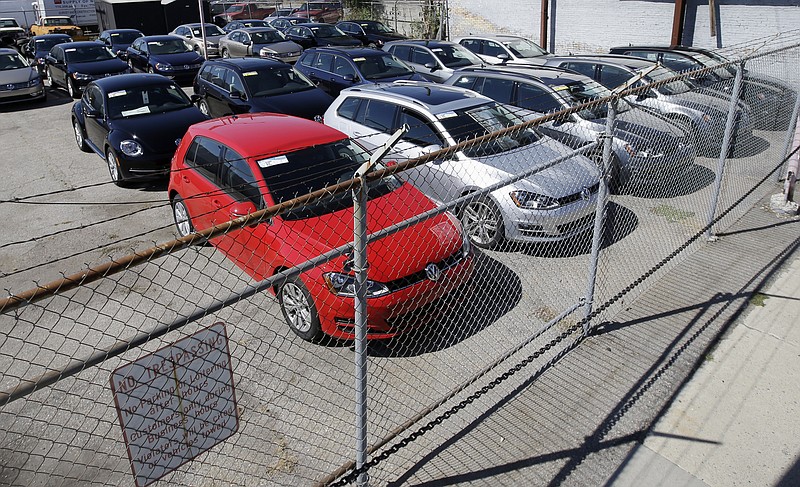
(560, 87)
(70, 50)
(136, 111)
(155, 43)
(250, 73)
(445, 115)
(115, 94)
(359, 59)
(273, 161)
(437, 49)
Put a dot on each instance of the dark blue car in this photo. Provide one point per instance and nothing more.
(166, 55)
(250, 85)
(334, 69)
(38, 47)
(118, 40)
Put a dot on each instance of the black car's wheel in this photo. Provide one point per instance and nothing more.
(80, 136)
(113, 167)
(72, 90)
(183, 222)
(299, 310)
(203, 106)
(482, 222)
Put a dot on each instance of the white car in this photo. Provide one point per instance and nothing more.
(505, 49)
(551, 205)
(193, 33)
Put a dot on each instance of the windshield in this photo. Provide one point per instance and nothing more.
(484, 119)
(376, 28)
(454, 56)
(580, 92)
(267, 37)
(234, 9)
(724, 72)
(87, 54)
(377, 67)
(172, 46)
(314, 168)
(125, 37)
(8, 23)
(146, 100)
(57, 21)
(326, 31)
(673, 88)
(47, 44)
(255, 23)
(524, 48)
(11, 61)
(275, 81)
(211, 30)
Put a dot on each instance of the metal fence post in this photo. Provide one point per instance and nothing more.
(360, 268)
(726, 142)
(790, 134)
(600, 209)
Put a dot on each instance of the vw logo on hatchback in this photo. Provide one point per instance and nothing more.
(433, 272)
(586, 193)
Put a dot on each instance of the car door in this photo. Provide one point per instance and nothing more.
(216, 92)
(427, 65)
(541, 100)
(343, 75)
(319, 72)
(200, 182)
(236, 104)
(302, 36)
(96, 125)
(57, 66)
(137, 59)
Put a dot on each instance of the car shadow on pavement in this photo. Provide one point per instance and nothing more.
(493, 291)
(54, 98)
(695, 178)
(748, 147)
(620, 222)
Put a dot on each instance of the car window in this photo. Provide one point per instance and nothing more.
(419, 131)
(276, 81)
(265, 37)
(401, 52)
(466, 82)
(348, 108)
(586, 69)
(383, 66)
(324, 61)
(88, 54)
(473, 45)
(342, 67)
(501, 90)
(144, 100)
(12, 61)
(536, 98)
(422, 56)
(233, 81)
(649, 55)
(491, 48)
(524, 48)
(205, 157)
(613, 76)
(677, 62)
(470, 123)
(308, 59)
(237, 179)
(379, 115)
(217, 77)
(170, 46)
(94, 98)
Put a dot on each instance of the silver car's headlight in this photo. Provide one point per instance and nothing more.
(533, 201)
(34, 82)
(345, 285)
(131, 148)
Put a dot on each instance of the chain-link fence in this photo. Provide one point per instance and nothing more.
(323, 310)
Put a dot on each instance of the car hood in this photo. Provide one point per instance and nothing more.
(564, 179)
(99, 67)
(278, 47)
(157, 132)
(20, 75)
(338, 41)
(177, 58)
(305, 104)
(398, 255)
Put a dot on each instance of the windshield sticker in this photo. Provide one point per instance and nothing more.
(273, 161)
(560, 87)
(250, 73)
(155, 43)
(445, 115)
(136, 111)
(70, 50)
(114, 35)
(115, 94)
(359, 59)
(437, 49)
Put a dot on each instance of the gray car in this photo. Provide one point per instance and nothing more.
(703, 115)
(193, 33)
(504, 49)
(263, 42)
(551, 205)
(19, 81)
(435, 60)
(646, 147)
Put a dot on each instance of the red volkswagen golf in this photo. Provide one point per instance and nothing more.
(229, 167)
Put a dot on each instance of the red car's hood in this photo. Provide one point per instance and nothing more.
(400, 254)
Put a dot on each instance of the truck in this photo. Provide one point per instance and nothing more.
(82, 13)
(11, 34)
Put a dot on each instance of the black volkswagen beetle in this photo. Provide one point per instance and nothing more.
(38, 47)
(73, 65)
(132, 121)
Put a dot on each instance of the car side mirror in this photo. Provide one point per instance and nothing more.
(238, 95)
(241, 209)
(503, 57)
(246, 43)
(195, 98)
(432, 66)
(349, 78)
(90, 112)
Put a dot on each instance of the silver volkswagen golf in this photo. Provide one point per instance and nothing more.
(551, 205)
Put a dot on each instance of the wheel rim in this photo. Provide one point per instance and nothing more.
(480, 222)
(203, 107)
(78, 133)
(296, 307)
(182, 219)
(113, 169)
(225, 53)
(70, 88)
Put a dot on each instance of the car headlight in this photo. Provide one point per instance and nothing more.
(163, 67)
(211, 44)
(649, 152)
(34, 82)
(345, 285)
(82, 76)
(533, 201)
(131, 148)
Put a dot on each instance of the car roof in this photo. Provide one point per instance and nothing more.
(496, 37)
(125, 81)
(161, 37)
(423, 42)
(350, 51)
(365, 21)
(245, 133)
(618, 59)
(434, 97)
(51, 36)
(265, 28)
(120, 30)
(292, 17)
(79, 44)
(544, 74)
(313, 24)
(8, 50)
(247, 63)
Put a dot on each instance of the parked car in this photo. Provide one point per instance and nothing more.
(74, 65)
(435, 60)
(646, 147)
(58, 25)
(370, 32)
(19, 81)
(551, 205)
(244, 10)
(702, 115)
(318, 35)
(334, 68)
(243, 24)
(263, 42)
(132, 122)
(38, 47)
(169, 56)
(11, 34)
(226, 168)
(285, 23)
(193, 33)
(329, 12)
(249, 85)
(504, 49)
(770, 100)
(118, 40)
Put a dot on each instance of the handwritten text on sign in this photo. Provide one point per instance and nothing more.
(176, 403)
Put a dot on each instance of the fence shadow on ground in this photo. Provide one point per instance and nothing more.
(695, 178)
(751, 146)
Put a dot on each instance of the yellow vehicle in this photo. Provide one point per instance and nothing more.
(58, 25)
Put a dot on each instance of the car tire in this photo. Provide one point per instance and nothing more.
(113, 167)
(299, 310)
(615, 184)
(225, 54)
(72, 91)
(183, 222)
(483, 222)
(80, 136)
(202, 105)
